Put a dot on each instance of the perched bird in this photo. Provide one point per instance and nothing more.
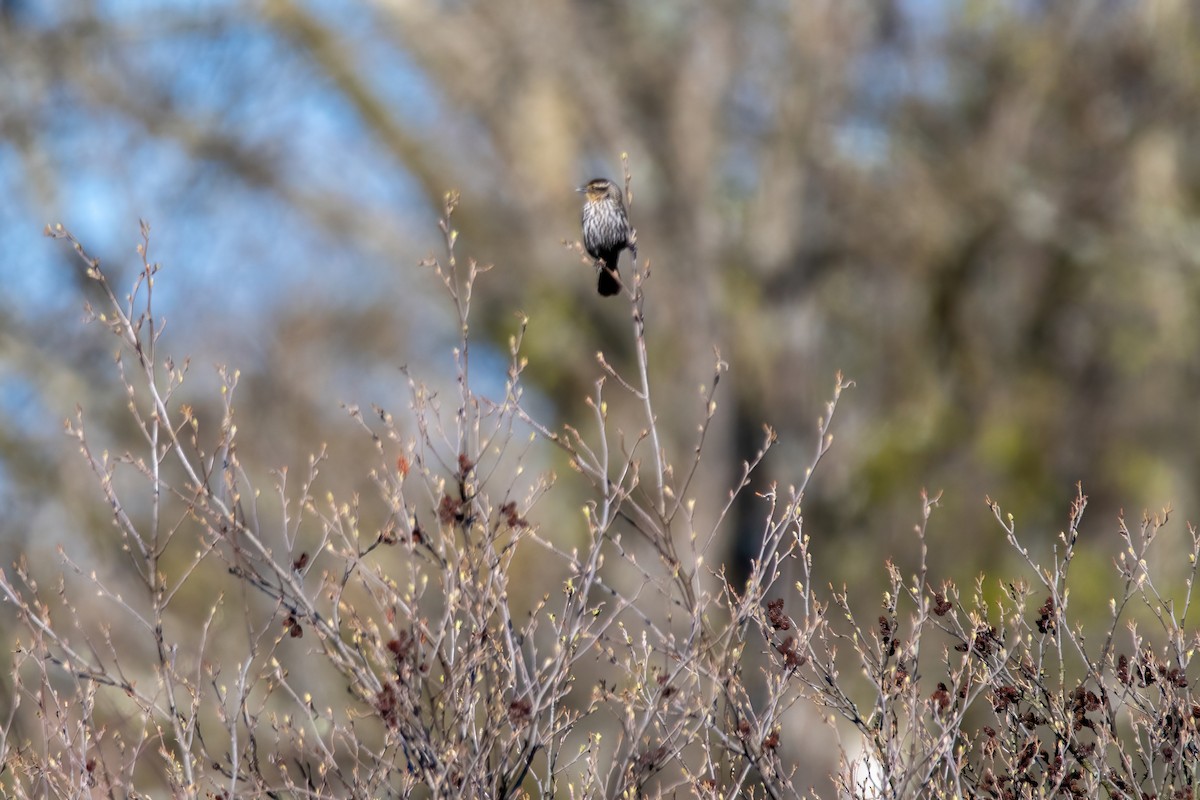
(606, 231)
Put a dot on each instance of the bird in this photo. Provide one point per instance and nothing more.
(606, 231)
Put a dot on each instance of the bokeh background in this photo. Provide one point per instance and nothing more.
(986, 213)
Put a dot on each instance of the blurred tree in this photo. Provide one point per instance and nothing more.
(982, 213)
(985, 213)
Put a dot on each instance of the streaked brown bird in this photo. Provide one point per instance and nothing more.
(606, 231)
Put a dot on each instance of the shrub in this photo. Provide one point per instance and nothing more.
(383, 646)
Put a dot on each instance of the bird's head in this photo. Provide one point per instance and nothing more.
(598, 189)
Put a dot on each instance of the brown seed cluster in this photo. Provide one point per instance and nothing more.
(518, 712)
(1045, 620)
(779, 620)
(941, 606)
(984, 644)
(885, 636)
(792, 657)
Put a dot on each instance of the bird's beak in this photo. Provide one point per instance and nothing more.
(581, 189)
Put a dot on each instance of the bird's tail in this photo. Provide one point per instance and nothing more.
(609, 283)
